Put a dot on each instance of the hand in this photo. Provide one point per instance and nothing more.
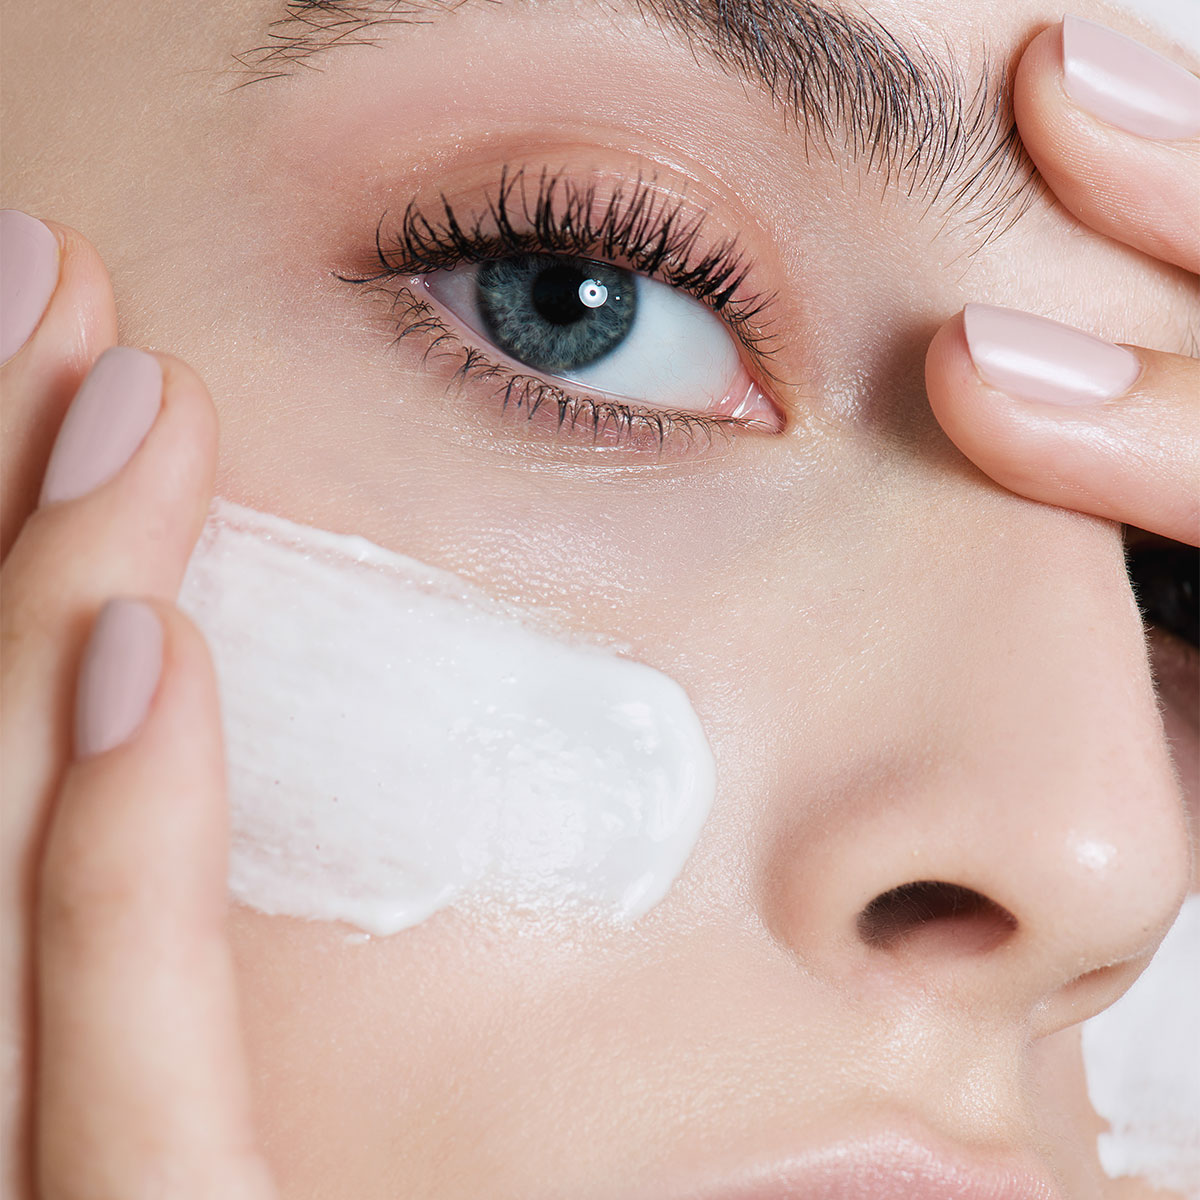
(1051, 412)
(113, 808)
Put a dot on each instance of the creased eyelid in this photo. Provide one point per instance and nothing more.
(636, 225)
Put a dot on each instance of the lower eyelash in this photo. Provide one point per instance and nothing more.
(519, 392)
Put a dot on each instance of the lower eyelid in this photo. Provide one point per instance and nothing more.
(544, 406)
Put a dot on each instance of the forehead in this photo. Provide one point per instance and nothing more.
(185, 72)
(870, 87)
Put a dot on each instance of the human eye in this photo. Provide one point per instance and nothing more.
(595, 313)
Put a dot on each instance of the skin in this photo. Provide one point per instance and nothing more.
(867, 618)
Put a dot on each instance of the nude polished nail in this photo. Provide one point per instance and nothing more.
(109, 418)
(1128, 84)
(118, 677)
(28, 277)
(1034, 358)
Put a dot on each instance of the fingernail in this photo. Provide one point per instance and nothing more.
(1037, 359)
(119, 676)
(28, 276)
(1128, 84)
(110, 416)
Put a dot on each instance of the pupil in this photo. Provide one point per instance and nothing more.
(555, 314)
(556, 295)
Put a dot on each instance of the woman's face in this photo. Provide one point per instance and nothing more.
(905, 673)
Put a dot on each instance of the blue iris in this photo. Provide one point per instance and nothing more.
(555, 314)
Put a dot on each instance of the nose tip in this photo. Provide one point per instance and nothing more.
(1059, 927)
(1045, 911)
(1097, 900)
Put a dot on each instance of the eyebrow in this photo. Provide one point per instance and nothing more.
(846, 81)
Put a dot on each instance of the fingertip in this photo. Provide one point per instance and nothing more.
(118, 677)
(130, 496)
(186, 392)
(113, 411)
(1113, 126)
(67, 306)
(1017, 440)
(142, 430)
(1059, 136)
(951, 380)
(186, 695)
(192, 674)
(45, 370)
(144, 663)
(146, 784)
(30, 254)
(1040, 65)
(1057, 415)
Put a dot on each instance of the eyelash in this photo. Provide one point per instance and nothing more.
(636, 226)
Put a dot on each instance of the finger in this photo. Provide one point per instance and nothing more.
(126, 492)
(1060, 416)
(131, 533)
(142, 1082)
(1114, 128)
(56, 316)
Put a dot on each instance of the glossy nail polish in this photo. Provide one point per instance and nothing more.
(1037, 359)
(110, 416)
(1127, 84)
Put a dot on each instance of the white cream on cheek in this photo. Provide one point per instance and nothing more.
(396, 741)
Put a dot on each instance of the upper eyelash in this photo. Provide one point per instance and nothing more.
(635, 224)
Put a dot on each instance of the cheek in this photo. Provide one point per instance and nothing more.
(823, 586)
(1064, 1114)
(397, 742)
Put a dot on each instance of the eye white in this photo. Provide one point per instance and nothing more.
(677, 355)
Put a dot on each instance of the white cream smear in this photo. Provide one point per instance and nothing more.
(397, 741)
(1142, 1058)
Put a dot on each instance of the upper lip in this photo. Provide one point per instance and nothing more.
(886, 1164)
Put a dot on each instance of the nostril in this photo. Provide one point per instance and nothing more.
(930, 912)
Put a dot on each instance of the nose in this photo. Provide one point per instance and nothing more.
(1019, 843)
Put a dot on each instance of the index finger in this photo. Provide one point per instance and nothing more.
(142, 1084)
(1114, 128)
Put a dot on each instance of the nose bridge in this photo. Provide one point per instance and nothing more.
(1027, 802)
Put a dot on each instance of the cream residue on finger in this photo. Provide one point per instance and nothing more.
(396, 741)
(1142, 1059)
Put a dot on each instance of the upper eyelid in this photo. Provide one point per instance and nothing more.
(847, 79)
